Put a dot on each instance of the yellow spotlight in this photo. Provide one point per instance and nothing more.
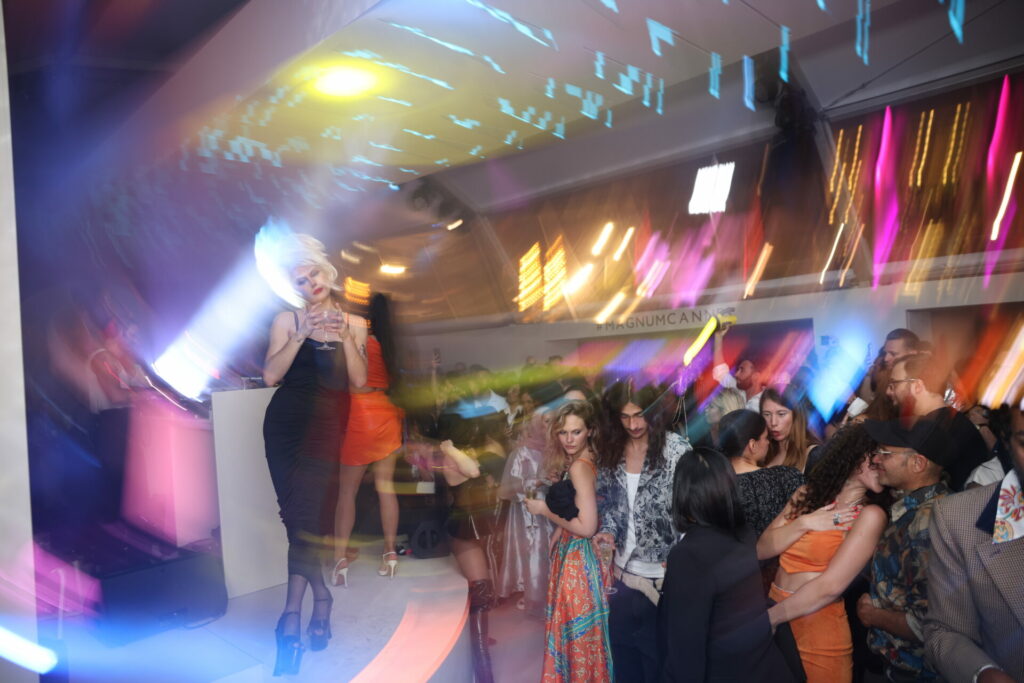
(344, 81)
(609, 308)
(392, 269)
(623, 244)
(602, 239)
(700, 341)
(1006, 197)
(578, 279)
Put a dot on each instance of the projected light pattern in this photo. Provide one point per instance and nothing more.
(715, 75)
(555, 273)
(630, 75)
(956, 18)
(375, 58)
(390, 148)
(863, 29)
(445, 44)
(545, 37)
(468, 124)
(528, 115)
(748, 83)
(393, 100)
(784, 54)
(659, 34)
(635, 357)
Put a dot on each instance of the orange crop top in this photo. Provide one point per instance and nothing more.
(812, 552)
(376, 371)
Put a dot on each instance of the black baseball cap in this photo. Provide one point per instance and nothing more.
(927, 437)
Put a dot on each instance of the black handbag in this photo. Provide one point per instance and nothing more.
(561, 499)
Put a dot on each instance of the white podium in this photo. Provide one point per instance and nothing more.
(253, 539)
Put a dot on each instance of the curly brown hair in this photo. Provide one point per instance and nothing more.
(841, 456)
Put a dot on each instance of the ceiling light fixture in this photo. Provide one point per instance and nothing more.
(602, 239)
(344, 81)
(392, 269)
(454, 224)
(711, 188)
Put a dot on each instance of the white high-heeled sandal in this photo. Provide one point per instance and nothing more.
(339, 575)
(392, 564)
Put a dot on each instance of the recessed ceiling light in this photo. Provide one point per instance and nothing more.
(344, 81)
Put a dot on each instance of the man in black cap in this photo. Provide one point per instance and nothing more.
(909, 460)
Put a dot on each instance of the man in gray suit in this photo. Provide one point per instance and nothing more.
(974, 630)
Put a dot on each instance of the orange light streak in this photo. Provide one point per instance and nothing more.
(755, 277)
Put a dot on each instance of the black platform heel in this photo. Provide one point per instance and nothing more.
(289, 648)
(320, 629)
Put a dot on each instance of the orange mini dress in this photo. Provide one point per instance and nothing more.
(823, 637)
(374, 423)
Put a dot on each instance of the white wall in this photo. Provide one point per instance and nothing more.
(17, 570)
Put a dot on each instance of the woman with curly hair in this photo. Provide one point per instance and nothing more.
(816, 565)
(791, 440)
(577, 647)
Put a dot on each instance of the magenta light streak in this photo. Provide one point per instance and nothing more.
(693, 266)
(992, 185)
(887, 206)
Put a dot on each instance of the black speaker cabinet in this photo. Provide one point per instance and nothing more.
(146, 585)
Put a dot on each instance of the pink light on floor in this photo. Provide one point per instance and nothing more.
(887, 207)
(431, 625)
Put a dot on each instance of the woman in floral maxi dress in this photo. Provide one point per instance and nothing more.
(577, 647)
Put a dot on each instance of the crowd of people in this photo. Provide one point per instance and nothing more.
(742, 536)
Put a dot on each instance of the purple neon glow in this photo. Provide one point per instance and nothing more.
(887, 205)
(693, 265)
(998, 144)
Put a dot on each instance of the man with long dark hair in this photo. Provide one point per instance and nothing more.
(636, 461)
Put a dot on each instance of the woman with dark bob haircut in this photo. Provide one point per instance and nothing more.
(712, 617)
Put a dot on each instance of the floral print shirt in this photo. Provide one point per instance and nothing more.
(899, 570)
(1009, 510)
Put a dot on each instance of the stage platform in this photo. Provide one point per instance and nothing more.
(412, 628)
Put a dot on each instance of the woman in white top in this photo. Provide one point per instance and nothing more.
(636, 463)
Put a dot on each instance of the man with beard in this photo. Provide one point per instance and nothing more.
(975, 622)
(909, 461)
(916, 385)
(747, 379)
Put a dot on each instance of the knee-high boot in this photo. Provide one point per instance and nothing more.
(481, 599)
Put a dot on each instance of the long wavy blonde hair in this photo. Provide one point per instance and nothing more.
(556, 462)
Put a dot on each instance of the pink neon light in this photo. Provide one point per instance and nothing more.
(887, 207)
(998, 142)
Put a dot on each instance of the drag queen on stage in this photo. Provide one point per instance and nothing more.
(315, 354)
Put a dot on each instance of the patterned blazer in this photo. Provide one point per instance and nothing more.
(975, 590)
(652, 511)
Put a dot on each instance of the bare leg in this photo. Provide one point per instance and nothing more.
(471, 559)
(383, 479)
(345, 516)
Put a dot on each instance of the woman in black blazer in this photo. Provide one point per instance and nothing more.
(712, 616)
